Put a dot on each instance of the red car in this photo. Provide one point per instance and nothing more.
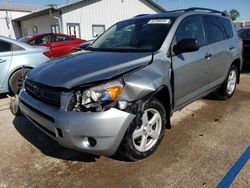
(59, 44)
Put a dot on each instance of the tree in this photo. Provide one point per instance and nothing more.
(233, 14)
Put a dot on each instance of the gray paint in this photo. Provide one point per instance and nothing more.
(88, 67)
(194, 77)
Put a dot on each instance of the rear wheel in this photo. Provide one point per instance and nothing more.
(16, 80)
(144, 133)
(227, 89)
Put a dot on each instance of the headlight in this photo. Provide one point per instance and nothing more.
(98, 96)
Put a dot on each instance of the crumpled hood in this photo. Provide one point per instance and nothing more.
(87, 67)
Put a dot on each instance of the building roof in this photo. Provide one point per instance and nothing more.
(21, 7)
(151, 2)
(46, 10)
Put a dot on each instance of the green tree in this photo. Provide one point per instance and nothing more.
(233, 14)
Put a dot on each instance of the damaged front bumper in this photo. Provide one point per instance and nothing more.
(97, 133)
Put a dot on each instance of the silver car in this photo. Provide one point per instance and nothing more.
(13, 56)
(117, 96)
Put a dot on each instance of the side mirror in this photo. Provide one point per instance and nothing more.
(186, 45)
(85, 45)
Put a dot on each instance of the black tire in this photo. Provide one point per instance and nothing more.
(127, 150)
(15, 81)
(223, 93)
(14, 106)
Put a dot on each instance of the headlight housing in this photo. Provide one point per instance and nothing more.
(95, 98)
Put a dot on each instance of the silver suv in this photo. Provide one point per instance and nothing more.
(117, 96)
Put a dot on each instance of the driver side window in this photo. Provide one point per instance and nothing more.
(191, 28)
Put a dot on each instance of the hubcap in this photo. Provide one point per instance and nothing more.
(20, 82)
(231, 83)
(147, 135)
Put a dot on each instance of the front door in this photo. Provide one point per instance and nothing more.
(5, 60)
(191, 74)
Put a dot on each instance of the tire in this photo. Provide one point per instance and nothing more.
(15, 81)
(227, 89)
(14, 106)
(137, 142)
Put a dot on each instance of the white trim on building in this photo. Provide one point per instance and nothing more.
(11, 11)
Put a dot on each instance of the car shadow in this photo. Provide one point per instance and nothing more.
(3, 96)
(46, 144)
(246, 67)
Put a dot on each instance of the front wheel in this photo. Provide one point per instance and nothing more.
(16, 80)
(144, 133)
(227, 89)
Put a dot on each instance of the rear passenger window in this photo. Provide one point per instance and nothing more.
(60, 38)
(191, 28)
(214, 29)
(5, 46)
(40, 40)
(17, 48)
(227, 27)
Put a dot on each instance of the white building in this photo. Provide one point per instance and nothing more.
(10, 11)
(241, 24)
(84, 18)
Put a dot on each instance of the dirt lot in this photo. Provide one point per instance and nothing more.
(206, 140)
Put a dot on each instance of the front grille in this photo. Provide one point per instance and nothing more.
(46, 94)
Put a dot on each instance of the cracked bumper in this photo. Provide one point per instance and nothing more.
(71, 129)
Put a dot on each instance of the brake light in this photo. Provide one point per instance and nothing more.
(48, 54)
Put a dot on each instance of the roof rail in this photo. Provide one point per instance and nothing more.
(205, 9)
(178, 10)
(141, 15)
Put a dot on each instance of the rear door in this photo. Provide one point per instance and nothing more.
(220, 47)
(5, 60)
(61, 45)
(191, 72)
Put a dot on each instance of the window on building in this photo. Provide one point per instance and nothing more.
(73, 29)
(25, 31)
(97, 30)
(215, 30)
(55, 29)
(34, 30)
(5, 46)
(60, 38)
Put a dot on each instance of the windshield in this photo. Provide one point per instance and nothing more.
(138, 35)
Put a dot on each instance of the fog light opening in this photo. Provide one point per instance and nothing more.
(60, 133)
(92, 141)
(89, 142)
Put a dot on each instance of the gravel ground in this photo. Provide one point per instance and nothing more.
(205, 141)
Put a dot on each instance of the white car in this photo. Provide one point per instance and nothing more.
(13, 56)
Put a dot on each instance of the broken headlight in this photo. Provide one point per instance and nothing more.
(96, 98)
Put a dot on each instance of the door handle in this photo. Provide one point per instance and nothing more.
(208, 56)
(231, 48)
(2, 60)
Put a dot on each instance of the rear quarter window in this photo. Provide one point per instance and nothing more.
(214, 29)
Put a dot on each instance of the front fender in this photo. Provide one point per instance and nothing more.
(146, 81)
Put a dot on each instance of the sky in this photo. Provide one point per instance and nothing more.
(243, 6)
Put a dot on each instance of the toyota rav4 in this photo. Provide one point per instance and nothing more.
(117, 96)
